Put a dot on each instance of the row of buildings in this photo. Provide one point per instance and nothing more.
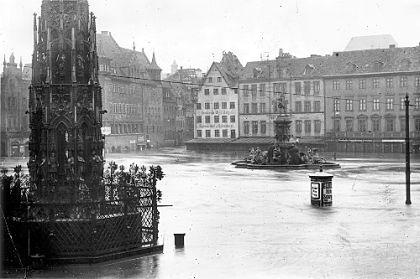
(350, 101)
(142, 110)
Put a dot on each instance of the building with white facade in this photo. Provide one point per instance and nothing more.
(216, 110)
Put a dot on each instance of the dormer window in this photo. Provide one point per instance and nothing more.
(309, 68)
(377, 66)
(405, 64)
(351, 67)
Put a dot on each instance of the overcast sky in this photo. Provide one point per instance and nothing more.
(196, 32)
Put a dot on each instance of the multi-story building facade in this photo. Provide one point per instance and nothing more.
(184, 84)
(170, 108)
(365, 93)
(14, 90)
(262, 88)
(132, 96)
(307, 98)
(296, 84)
(216, 112)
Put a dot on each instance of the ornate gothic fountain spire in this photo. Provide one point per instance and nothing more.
(65, 101)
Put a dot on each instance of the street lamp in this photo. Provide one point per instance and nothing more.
(407, 151)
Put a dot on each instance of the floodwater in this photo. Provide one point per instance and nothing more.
(259, 223)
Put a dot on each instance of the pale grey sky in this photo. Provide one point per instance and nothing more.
(195, 32)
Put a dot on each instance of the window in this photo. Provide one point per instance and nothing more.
(362, 104)
(210, 79)
(254, 91)
(402, 124)
(206, 91)
(215, 91)
(316, 87)
(417, 103)
(216, 105)
(232, 105)
(336, 85)
(216, 119)
(262, 107)
(298, 126)
(216, 133)
(219, 79)
(262, 89)
(362, 125)
(376, 105)
(389, 124)
(417, 82)
(376, 124)
(402, 103)
(245, 90)
(403, 81)
(207, 118)
(207, 105)
(223, 91)
(349, 84)
(199, 133)
(317, 124)
(198, 106)
(308, 127)
(388, 82)
(225, 133)
(336, 105)
(224, 119)
(390, 104)
(417, 125)
(349, 125)
(224, 105)
(246, 127)
(362, 84)
(280, 87)
(307, 106)
(298, 106)
(263, 125)
(208, 134)
(298, 88)
(254, 108)
(375, 83)
(198, 119)
(307, 87)
(349, 105)
(254, 127)
(232, 134)
(317, 106)
(337, 125)
(246, 108)
(232, 119)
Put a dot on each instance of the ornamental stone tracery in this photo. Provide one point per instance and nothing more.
(66, 144)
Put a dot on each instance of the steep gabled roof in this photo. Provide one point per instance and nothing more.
(123, 58)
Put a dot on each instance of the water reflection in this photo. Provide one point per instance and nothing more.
(259, 224)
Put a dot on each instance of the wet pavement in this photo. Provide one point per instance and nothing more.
(243, 223)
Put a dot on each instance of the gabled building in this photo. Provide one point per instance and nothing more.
(14, 91)
(132, 96)
(216, 112)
